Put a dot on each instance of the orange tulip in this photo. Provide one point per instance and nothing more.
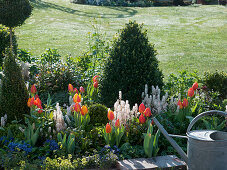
(110, 115)
(77, 107)
(108, 128)
(96, 84)
(195, 86)
(37, 102)
(141, 108)
(84, 110)
(190, 92)
(95, 78)
(82, 89)
(179, 103)
(30, 102)
(142, 119)
(147, 112)
(117, 123)
(185, 103)
(70, 88)
(33, 89)
(77, 98)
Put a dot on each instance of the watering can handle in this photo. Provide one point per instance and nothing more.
(212, 112)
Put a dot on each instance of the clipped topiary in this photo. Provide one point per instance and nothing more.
(131, 65)
(98, 114)
(5, 42)
(14, 95)
(13, 13)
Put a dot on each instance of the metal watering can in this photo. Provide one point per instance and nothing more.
(207, 149)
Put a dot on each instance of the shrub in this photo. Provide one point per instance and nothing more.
(14, 95)
(217, 82)
(54, 75)
(132, 63)
(5, 42)
(98, 114)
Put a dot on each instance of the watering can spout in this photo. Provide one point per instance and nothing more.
(172, 142)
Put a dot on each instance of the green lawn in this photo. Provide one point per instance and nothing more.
(185, 37)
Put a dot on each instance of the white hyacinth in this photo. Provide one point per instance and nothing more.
(59, 119)
(154, 101)
(122, 110)
(3, 120)
(21, 129)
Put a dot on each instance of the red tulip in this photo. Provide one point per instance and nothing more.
(108, 128)
(33, 89)
(185, 103)
(147, 112)
(141, 108)
(77, 107)
(110, 115)
(82, 89)
(190, 92)
(117, 123)
(75, 90)
(142, 119)
(96, 84)
(77, 98)
(70, 88)
(84, 110)
(95, 78)
(179, 103)
(195, 86)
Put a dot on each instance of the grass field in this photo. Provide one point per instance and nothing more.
(192, 37)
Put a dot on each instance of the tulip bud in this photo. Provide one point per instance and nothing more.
(82, 89)
(33, 89)
(147, 112)
(185, 103)
(117, 123)
(70, 88)
(141, 108)
(95, 84)
(195, 86)
(110, 115)
(190, 92)
(75, 90)
(84, 110)
(108, 128)
(95, 78)
(142, 119)
(77, 107)
(179, 103)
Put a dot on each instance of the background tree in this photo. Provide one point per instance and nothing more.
(131, 65)
(13, 13)
(14, 95)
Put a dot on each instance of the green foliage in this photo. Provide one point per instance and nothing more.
(131, 151)
(67, 142)
(5, 42)
(151, 142)
(25, 56)
(98, 114)
(13, 13)
(93, 61)
(217, 82)
(54, 75)
(14, 95)
(132, 63)
(181, 82)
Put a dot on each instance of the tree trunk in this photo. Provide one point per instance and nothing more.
(11, 41)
